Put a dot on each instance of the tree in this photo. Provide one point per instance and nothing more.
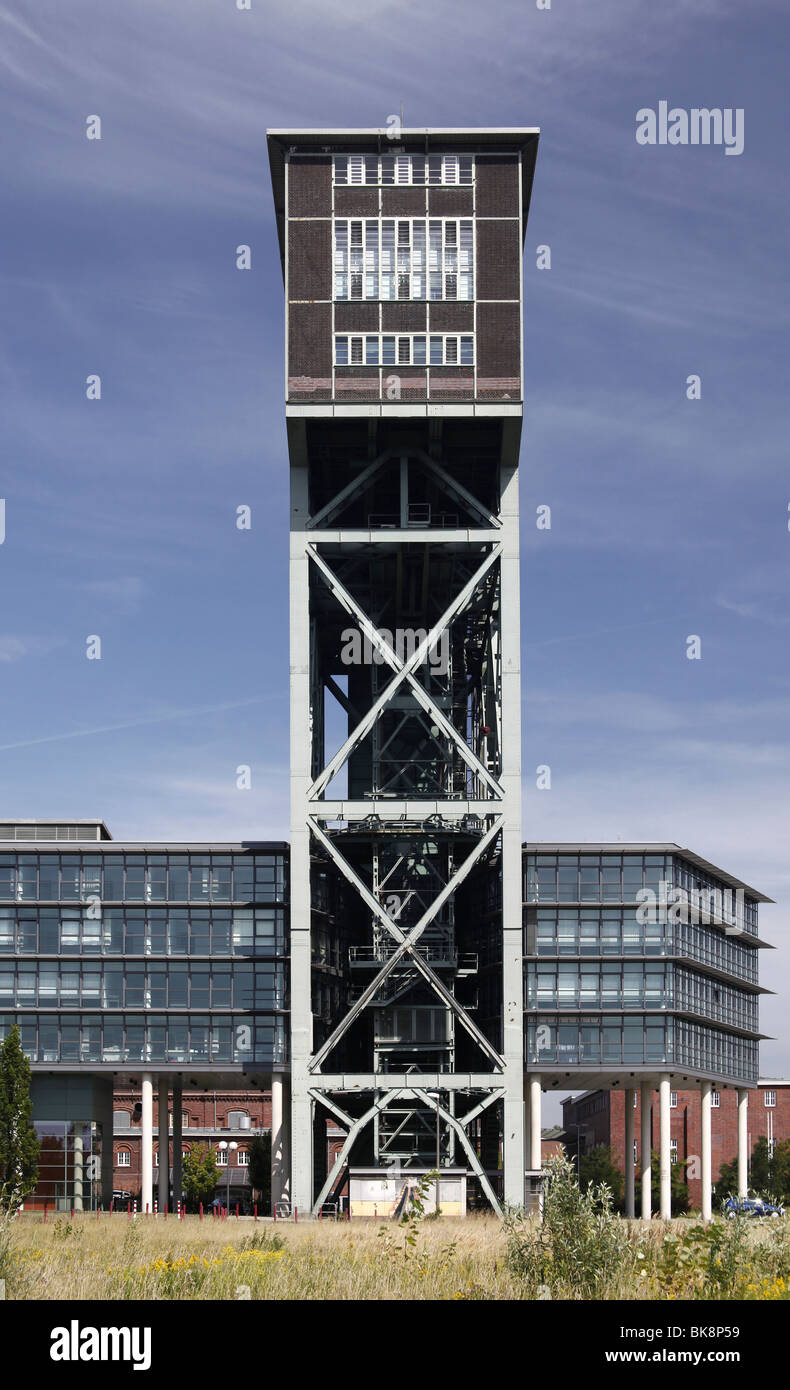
(597, 1166)
(200, 1173)
(19, 1145)
(769, 1173)
(678, 1191)
(260, 1167)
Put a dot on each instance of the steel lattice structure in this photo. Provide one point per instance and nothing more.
(405, 658)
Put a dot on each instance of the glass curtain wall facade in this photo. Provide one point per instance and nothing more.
(639, 959)
(125, 957)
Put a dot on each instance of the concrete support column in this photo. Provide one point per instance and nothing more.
(178, 1142)
(164, 1143)
(147, 1144)
(645, 1146)
(79, 1167)
(535, 1107)
(743, 1141)
(629, 1154)
(286, 1139)
(706, 1096)
(277, 1138)
(664, 1168)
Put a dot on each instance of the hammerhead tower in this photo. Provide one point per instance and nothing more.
(402, 261)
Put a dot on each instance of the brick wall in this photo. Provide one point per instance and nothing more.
(202, 1129)
(602, 1119)
(495, 317)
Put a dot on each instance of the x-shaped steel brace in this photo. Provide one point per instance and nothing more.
(457, 1125)
(407, 944)
(403, 674)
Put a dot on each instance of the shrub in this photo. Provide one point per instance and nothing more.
(580, 1250)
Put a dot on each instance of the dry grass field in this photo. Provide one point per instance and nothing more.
(110, 1257)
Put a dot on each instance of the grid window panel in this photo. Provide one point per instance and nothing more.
(404, 349)
(356, 170)
(403, 258)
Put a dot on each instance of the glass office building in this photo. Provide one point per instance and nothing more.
(126, 961)
(120, 958)
(638, 958)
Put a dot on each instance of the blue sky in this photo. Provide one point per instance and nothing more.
(669, 517)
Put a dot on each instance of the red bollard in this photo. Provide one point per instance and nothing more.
(45, 1213)
(296, 1215)
(201, 1211)
(237, 1211)
(255, 1212)
(72, 1213)
(274, 1210)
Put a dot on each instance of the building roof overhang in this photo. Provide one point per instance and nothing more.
(522, 140)
(643, 847)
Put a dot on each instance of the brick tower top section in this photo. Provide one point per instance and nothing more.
(402, 267)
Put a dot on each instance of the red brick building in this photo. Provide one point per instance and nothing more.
(207, 1118)
(598, 1117)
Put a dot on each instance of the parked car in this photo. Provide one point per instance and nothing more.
(751, 1206)
(122, 1196)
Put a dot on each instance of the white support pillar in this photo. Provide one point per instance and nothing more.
(664, 1168)
(178, 1142)
(285, 1146)
(629, 1154)
(147, 1144)
(277, 1138)
(513, 1137)
(535, 1105)
(163, 1094)
(706, 1097)
(299, 1182)
(645, 1147)
(743, 1141)
(79, 1167)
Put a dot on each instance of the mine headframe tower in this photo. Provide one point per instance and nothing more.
(402, 266)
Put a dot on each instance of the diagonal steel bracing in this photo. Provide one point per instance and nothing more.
(380, 1103)
(403, 673)
(457, 1125)
(406, 944)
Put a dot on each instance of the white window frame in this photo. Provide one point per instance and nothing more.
(673, 1100)
(243, 1158)
(124, 1159)
(673, 1151)
(399, 169)
(358, 349)
(715, 1099)
(221, 1155)
(359, 253)
(770, 1099)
